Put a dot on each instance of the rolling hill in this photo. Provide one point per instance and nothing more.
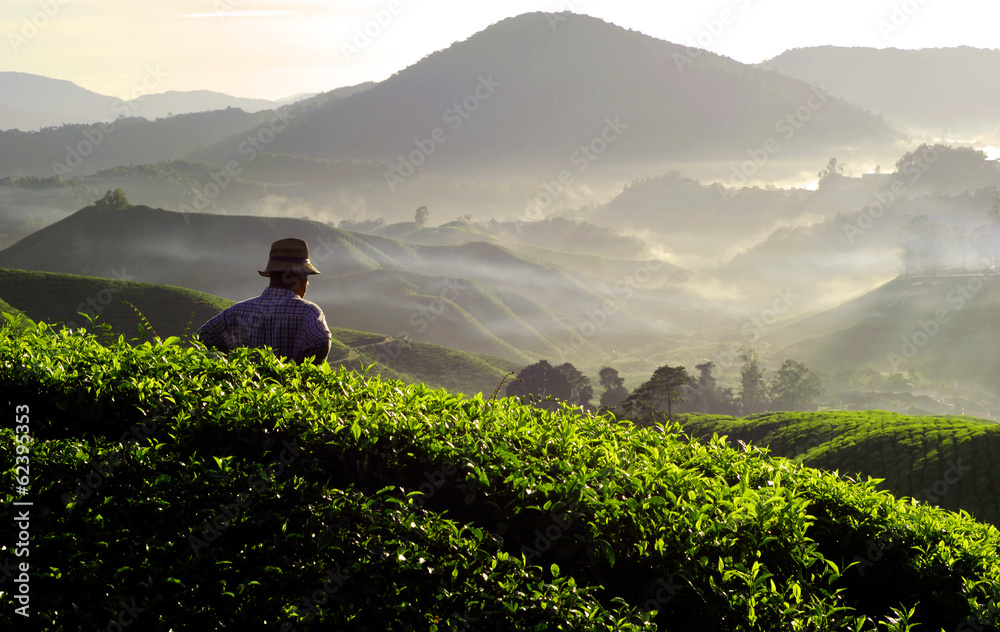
(945, 328)
(57, 298)
(72, 150)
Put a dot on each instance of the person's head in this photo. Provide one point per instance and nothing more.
(295, 281)
(288, 265)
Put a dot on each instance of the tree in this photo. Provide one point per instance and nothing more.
(581, 392)
(420, 217)
(795, 387)
(541, 380)
(705, 396)
(753, 390)
(114, 200)
(666, 386)
(995, 216)
(614, 387)
(834, 170)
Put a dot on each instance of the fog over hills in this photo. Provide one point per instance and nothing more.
(476, 296)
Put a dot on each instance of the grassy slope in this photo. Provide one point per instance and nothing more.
(947, 461)
(887, 329)
(56, 298)
(423, 510)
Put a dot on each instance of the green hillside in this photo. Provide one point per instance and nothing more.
(945, 328)
(211, 495)
(57, 298)
(946, 461)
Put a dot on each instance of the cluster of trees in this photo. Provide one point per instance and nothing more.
(672, 389)
(114, 200)
(930, 246)
(542, 381)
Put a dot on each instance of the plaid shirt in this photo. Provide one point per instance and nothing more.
(294, 327)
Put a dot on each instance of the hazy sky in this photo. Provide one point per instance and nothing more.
(273, 49)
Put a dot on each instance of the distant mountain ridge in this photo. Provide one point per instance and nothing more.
(30, 102)
(522, 94)
(936, 89)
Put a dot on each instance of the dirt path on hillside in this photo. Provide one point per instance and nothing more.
(353, 353)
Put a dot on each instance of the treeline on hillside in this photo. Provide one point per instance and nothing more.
(671, 389)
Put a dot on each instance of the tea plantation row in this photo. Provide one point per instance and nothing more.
(173, 489)
(946, 461)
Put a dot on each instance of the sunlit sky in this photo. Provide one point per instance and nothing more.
(270, 49)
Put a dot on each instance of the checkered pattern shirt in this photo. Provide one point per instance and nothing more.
(294, 327)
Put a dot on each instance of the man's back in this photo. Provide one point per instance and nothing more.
(280, 317)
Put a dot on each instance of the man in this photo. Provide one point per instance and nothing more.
(279, 318)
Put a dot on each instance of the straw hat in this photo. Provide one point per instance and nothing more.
(289, 255)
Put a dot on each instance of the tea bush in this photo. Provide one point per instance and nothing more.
(184, 490)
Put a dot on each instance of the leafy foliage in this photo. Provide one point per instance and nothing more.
(113, 200)
(220, 493)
